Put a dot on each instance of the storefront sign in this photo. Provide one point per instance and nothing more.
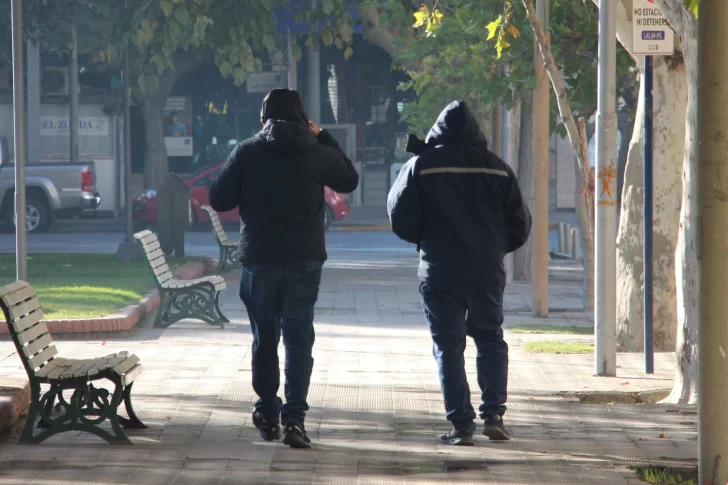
(87, 126)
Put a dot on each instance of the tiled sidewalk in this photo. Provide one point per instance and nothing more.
(376, 409)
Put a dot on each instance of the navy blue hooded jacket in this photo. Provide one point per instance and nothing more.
(460, 204)
(276, 180)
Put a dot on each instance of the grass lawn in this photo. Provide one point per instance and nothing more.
(558, 347)
(539, 328)
(83, 285)
(666, 476)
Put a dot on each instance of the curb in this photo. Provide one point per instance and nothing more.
(14, 400)
(126, 318)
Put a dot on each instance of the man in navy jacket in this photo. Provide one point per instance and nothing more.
(276, 181)
(463, 208)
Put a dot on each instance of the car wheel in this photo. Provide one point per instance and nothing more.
(37, 216)
(328, 218)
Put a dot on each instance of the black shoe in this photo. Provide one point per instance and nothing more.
(495, 429)
(296, 436)
(458, 438)
(269, 430)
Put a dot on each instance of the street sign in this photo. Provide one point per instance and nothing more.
(264, 82)
(651, 34)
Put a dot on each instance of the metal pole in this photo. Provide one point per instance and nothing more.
(507, 157)
(498, 130)
(292, 64)
(648, 276)
(314, 80)
(73, 86)
(127, 149)
(541, 123)
(712, 246)
(32, 56)
(605, 268)
(21, 243)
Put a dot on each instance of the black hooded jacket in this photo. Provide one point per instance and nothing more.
(276, 180)
(460, 204)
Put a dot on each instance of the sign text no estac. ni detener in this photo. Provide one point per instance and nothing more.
(651, 34)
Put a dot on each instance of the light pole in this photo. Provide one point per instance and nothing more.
(21, 249)
(541, 125)
(605, 241)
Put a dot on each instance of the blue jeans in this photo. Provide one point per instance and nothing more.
(453, 314)
(281, 297)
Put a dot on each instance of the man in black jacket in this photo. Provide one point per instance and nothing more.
(463, 208)
(276, 180)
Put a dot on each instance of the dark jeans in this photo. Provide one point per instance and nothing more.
(281, 297)
(452, 315)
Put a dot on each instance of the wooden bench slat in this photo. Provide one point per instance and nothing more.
(152, 246)
(84, 369)
(126, 364)
(19, 296)
(32, 333)
(118, 359)
(50, 367)
(42, 358)
(130, 375)
(12, 288)
(155, 254)
(38, 345)
(27, 321)
(160, 270)
(101, 363)
(158, 262)
(70, 366)
(146, 237)
(60, 369)
(18, 311)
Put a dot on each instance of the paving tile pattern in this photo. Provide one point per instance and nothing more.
(376, 409)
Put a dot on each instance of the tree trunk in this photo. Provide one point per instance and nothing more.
(670, 97)
(526, 180)
(685, 388)
(156, 164)
(625, 124)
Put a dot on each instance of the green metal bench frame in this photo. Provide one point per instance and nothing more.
(89, 406)
(228, 249)
(181, 299)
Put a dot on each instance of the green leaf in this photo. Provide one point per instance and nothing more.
(182, 15)
(167, 7)
(348, 53)
(329, 7)
(327, 37)
(493, 27)
(239, 76)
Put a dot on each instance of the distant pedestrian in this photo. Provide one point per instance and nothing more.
(276, 181)
(463, 208)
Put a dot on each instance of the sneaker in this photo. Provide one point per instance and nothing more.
(495, 429)
(458, 438)
(269, 430)
(295, 436)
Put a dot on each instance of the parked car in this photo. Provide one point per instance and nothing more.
(53, 190)
(144, 206)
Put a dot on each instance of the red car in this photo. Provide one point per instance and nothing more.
(144, 206)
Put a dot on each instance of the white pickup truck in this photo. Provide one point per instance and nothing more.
(53, 190)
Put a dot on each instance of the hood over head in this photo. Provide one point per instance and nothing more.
(456, 125)
(286, 124)
(283, 104)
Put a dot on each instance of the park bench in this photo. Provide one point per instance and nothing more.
(181, 299)
(228, 249)
(89, 406)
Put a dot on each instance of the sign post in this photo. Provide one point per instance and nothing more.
(651, 35)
